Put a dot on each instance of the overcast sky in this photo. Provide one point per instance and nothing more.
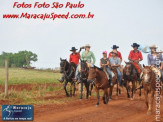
(119, 22)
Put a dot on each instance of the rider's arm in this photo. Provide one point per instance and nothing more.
(148, 59)
(82, 56)
(93, 57)
(70, 59)
(100, 63)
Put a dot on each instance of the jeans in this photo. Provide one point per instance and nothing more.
(77, 71)
(110, 73)
(119, 76)
(162, 76)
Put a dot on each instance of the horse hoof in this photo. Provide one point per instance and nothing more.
(97, 105)
(132, 99)
(149, 113)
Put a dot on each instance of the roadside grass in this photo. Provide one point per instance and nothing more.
(22, 76)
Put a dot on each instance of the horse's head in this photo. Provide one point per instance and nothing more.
(128, 68)
(84, 68)
(146, 73)
(92, 74)
(63, 64)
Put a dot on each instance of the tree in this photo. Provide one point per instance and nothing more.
(20, 59)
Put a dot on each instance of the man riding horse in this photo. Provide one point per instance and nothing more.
(115, 47)
(155, 57)
(88, 56)
(104, 62)
(74, 58)
(115, 61)
(135, 57)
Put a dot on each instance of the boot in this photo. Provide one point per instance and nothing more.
(61, 80)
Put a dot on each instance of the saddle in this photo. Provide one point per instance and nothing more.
(107, 74)
(137, 67)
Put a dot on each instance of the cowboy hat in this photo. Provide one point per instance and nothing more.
(87, 45)
(73, 49)
(135, 45)
(114, 51)
(115, 47)
(153, 46)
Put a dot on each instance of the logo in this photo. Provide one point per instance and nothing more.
(17, 112)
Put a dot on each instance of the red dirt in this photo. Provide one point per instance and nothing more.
(117, 110)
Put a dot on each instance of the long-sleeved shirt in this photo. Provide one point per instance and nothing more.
(152, 60)
(74, 58)
(135, 55)
(88, 57)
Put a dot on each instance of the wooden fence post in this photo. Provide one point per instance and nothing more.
(6, 78)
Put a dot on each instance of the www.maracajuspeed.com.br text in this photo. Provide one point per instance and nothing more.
(52, 16)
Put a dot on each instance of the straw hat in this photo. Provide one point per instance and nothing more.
(87, 45)
(153, 46)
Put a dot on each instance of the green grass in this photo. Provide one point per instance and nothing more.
(22, 76)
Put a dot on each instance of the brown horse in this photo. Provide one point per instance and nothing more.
(130, 79)
(115, 82)
(101, 82)
(149, 81)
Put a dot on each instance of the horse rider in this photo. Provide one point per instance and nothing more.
(115, 47)
(135, 57)
(115, 61)
(155, 57)
(104, 62)
(73, 58)
(88, 56)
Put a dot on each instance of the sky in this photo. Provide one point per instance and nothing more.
(120, 22)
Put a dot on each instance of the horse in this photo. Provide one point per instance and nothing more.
(115, 82)
(83, 76)
(130, 78)
(99, 77)
(68, 70)
(149, 81)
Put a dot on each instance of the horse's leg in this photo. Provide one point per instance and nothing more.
(146, 97)
(117, 87)
(81, 90)
(127, 89)
(87, 88)
(66, 89)
(140, 92)
(74, 88)
(107, 95)
(104, 98)
(98, 96)
(71, 89)
(150, 102)
(90, 92)
(110, 92)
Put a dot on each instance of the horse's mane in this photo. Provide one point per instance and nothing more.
(99, 68)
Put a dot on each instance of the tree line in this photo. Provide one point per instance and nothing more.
(19, 59)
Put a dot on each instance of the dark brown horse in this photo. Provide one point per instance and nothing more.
(114, 81)
(83, 76)
(98, 76)
(149, 83)
(68, 70)
(130, 79)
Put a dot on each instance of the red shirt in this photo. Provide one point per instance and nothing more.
(135, 55)
(119, 55)
(74, 58)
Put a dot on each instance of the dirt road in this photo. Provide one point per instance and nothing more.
(119, 109)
